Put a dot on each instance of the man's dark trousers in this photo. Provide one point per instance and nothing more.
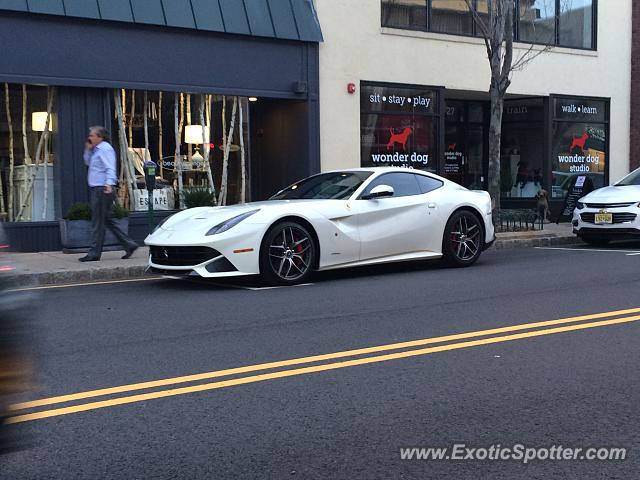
(101, 207)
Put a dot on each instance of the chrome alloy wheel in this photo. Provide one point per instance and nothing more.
(290, 253)
(465, 237)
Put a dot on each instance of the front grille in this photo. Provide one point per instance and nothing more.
(608, 205)
(622, 217)
(181, 256)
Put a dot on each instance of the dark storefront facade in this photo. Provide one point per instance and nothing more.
(546, 141)
(243, 74)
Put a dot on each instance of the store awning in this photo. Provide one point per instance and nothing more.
(283, 19)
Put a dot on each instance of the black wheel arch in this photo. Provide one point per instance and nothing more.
(475, 213)
(305, 223)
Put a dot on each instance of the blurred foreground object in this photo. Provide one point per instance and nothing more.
(15, 359)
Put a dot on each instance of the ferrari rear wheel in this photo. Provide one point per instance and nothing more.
(462, 242)
(287, 255)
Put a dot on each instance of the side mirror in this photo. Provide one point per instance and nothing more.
(379, 191)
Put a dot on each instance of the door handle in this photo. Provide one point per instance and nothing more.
(431, 205)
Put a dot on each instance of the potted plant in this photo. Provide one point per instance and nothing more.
(75, 228)
(198, 197)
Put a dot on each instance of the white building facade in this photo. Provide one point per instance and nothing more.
(419, 77)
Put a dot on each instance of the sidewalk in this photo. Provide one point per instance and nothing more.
(57, 268)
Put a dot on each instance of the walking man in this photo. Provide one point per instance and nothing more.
(100, 157)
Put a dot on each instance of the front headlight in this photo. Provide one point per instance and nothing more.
(232, 222)
(579, 205)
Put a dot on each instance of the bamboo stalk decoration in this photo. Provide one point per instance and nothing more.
(124, 150)
(25, 143)
(189, 150)
(146, 126)
(224, 142)
(178, 110)
(123, 101)
(225, 160)
(205, 145)
(46, 134)
(133, 114)
(43, 137)
(243, 172)
(7, 105)
(3, 211)
(160, 134)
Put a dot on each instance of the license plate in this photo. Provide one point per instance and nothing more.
(604, 218)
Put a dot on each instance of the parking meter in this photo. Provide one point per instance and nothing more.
(150, 181)
(150, 175)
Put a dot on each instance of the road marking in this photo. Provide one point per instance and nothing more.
(163, 277)
(316, 358)
(632, 252)
(307, 370)
(87, 284)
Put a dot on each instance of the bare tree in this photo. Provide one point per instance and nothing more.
(497, 31)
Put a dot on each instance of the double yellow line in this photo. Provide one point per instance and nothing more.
(24, 412)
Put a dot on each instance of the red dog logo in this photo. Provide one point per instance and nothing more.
(452, 147)
(400, 138)
(578, 142)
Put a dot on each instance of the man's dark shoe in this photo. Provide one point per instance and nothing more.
(129, 252)
(89, 259)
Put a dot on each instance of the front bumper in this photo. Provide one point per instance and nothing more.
(233, 253)
(625, 223)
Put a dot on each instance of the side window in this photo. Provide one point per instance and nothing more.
(427, 184)
(404, 184)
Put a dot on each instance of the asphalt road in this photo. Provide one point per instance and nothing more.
(573, 382)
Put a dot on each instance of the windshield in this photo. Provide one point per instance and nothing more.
(334, 185)
(632, 179)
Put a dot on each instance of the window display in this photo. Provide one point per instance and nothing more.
(197, 140)
(398, 126)
(522, 149)
(28, 133)
(579, 142)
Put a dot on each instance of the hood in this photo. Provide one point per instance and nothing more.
(201, 219)
(614, 194)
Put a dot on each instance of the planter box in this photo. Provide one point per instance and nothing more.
(75, 235)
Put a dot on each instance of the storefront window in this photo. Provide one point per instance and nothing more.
(464, 143)
(27, 144)
(522, 148)
(398, 126)
(410, 14)
(451, 16)
(579, 141)
(192, 160)
(537, 21)
(576, 23)
(564, 23)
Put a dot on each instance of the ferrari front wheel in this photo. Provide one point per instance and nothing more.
(463, 239)
(287, 254)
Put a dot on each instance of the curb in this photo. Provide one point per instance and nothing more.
(65, 277)
(82, 276)
(510, 243)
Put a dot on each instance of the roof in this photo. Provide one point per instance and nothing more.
(282, 19)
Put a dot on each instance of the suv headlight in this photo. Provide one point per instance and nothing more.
(229, 224)
(579, 205)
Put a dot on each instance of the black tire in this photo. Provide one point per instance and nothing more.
(463, 239)
(287, 254)
(596, 241)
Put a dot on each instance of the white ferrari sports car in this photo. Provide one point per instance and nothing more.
(609, 213)
(331, 220)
